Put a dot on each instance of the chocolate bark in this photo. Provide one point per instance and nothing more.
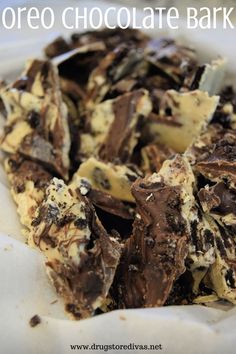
(173, 60)
(129, 111)
(36, 124)
(81, 256)
(154, 256)
(28, 182)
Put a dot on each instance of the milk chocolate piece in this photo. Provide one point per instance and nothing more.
(109, 204)
(114, 127)
(122, 136)
(28, 182)
(204, 144)
(182, 117)
(154, 256)
(36, 124)
(101, 199)
(81, 256)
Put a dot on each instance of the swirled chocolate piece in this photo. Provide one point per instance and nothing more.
(28, 181)
(154, 256)
(153, 157)
(122, 136)
(221, 276)
(173, 60)
(77, 63)
(81, 257)
(115, 215)
(114, 127)
(115, 180)
(112, 68)
(182, 117)
(219, 163)
(36, 124)
(204, 144)
(101, 199)
(201, 253)
(219, 201)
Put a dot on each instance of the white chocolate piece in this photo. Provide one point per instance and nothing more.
(213, 76)
(109, 178)
(190, 114)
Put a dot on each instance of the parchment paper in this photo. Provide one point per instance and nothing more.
(25, 289)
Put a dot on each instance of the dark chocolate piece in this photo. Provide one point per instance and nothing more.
(57, 47)
(35, 321)
(110, 204)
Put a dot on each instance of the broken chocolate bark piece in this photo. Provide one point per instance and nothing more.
(208, 77)
(173, 60)
(114, 127)
(223, 277)
(81, 256)
(28, 181)
(112, 68)
(182, 117)
(36, 124)
(219, 201)
(101, 199)
(110, 204)
(77, 64)
(115, 215)
(129, 112)
(115, 180)
(201, 253)
(219, 163)
(153, 157)
(154, 256)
